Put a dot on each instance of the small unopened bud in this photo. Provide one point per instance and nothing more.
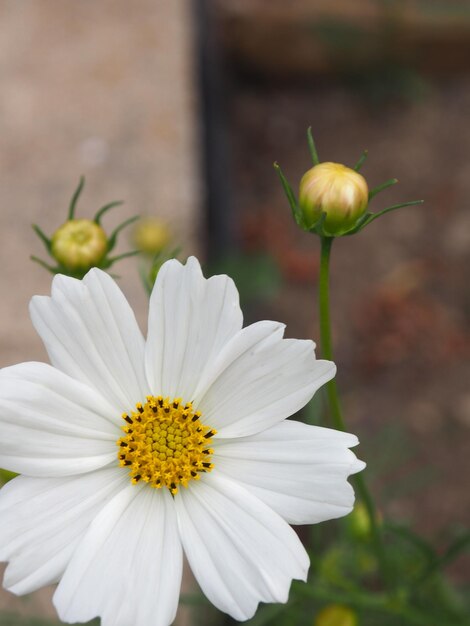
(336, 615)
(336, 190)
(79, 245)
(358, 521)
(151, 236)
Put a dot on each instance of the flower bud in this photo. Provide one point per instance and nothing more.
(151, 235)
(336, 615)
(79, 245)
(358, 522)
(336, 190)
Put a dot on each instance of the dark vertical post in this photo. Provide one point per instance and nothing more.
(213, 94)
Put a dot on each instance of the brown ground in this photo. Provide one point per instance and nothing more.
(400, 298)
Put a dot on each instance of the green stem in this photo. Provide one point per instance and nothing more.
(325, 330)
(335, 405)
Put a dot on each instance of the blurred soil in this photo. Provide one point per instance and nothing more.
(400, 294)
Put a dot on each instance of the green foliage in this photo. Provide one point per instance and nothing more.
(257, 276)
(345, 572)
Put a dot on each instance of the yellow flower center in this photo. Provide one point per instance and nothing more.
(165, 444)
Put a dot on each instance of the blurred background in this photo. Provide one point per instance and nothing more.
(180, 109)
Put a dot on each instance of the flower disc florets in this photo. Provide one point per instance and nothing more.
(165, 443)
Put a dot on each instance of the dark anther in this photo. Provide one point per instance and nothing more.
(140, 409)
(209, 434)
(207, 451)
(173, 486)
(137, 478)
(160, 402)
(193, 474)
(206, 464)
(124, 444)
(175, 405)
(127, 463)
(154, 409)
(167, 409)
(128, 419)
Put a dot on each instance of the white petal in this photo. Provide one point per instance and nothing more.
(240, 551)
(90, 333)
(258, 380)
(298, 470)
(190, 320)
(51, 424)
(43, 519)
(127, 569)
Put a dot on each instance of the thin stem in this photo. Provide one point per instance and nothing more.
(325, 330)
(335, 405)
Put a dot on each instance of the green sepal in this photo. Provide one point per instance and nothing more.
(105, 209)
(370, 217)
(114, 235)
(312, 147)
(46, 266)
(296, 212)
(361, 161)
(45, 240)
(76, 195)
(359, 225)
(318, 227)
(109, 261)
(382, 187)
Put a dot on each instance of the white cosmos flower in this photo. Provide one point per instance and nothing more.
(208, 465)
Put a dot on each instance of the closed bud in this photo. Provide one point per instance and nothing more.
(336, 615)
(151, 236)
(79, 245)
(358, 522)
(336, 190)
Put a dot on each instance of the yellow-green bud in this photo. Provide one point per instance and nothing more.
(151, 235)
(336, 190)
(359, 523)
(79, 245)
(336, 615)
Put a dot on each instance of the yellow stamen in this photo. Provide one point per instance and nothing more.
(165, 443)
